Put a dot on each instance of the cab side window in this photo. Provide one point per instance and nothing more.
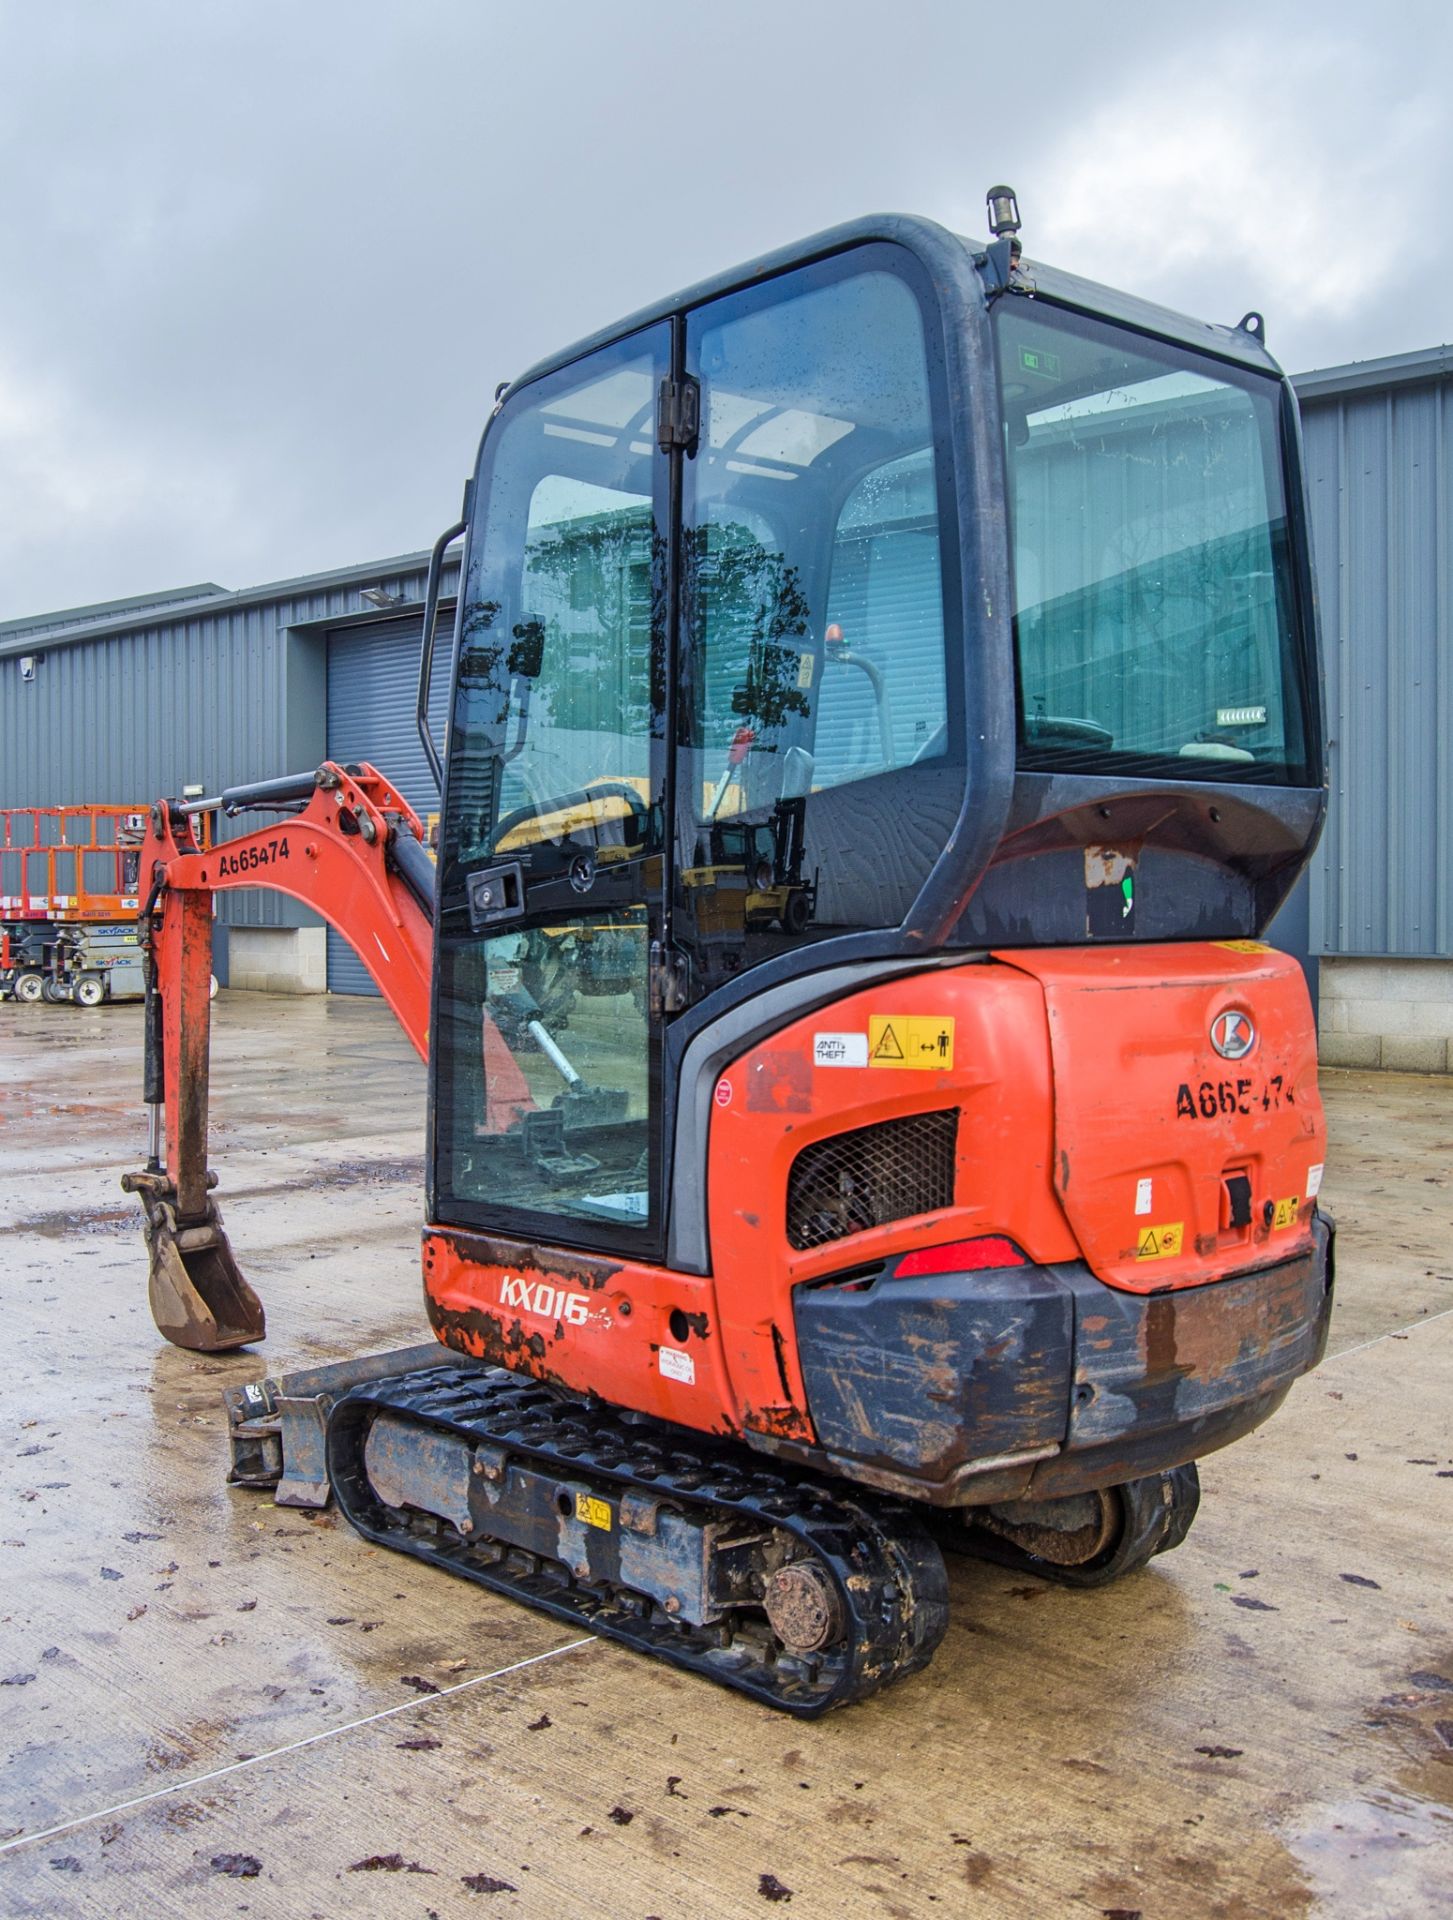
(814, 649)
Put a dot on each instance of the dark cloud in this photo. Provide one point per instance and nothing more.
(265, 264)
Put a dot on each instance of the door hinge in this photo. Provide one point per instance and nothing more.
(669, 980)
(678, 414)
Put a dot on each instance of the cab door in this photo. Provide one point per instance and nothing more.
(547, 1065)
(820, 752)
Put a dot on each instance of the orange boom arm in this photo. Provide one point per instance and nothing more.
(352, 849)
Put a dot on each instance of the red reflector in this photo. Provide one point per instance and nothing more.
(963, 1256)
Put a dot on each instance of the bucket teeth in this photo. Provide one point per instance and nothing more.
(199, 1298)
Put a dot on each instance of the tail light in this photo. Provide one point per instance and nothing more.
(963, 1256)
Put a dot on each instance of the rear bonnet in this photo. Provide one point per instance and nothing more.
(1174, 1163)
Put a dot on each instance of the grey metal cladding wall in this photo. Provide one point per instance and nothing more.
(131, 715)
(128, 715)
(1380, 475)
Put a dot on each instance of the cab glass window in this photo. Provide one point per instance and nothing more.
(1155, 599)
(546, 1054)
(819, 770)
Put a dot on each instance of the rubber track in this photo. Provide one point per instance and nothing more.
(889, 1573)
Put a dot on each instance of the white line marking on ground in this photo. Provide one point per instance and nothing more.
(296, 1746)
(1392, 1334)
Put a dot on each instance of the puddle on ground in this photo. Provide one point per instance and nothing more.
(63, 1224)
(1385, 1853)
(1389, 1850)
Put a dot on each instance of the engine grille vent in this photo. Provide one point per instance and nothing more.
(869, 1176)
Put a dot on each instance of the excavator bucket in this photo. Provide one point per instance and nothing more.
(199, 1298)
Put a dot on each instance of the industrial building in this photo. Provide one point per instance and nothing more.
(204, 687)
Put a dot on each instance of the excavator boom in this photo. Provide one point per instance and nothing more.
(348, 845)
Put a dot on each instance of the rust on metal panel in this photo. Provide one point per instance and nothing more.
(487, 1336)
(925, 1376)
(523, 1256)
(778, 1422)
(976, 1483)
(1177, 1357)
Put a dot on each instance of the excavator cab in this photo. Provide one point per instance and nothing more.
(872, 606)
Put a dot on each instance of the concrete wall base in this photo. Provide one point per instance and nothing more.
(278, 959)
(1395, 1014)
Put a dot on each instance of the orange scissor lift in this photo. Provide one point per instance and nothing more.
(69, 903)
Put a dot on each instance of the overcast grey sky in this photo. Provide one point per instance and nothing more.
(262, 265)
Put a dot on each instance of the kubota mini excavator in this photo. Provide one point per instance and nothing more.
(892, 667)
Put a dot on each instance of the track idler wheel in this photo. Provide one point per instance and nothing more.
(1088, 1539)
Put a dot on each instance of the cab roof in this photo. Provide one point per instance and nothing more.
(951, 259)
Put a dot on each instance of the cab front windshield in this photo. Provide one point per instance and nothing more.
(1155, 613)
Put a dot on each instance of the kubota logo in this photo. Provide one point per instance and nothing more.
(551, 1303)
(1232, 1035)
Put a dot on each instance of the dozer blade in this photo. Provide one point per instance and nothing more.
(199, 1298)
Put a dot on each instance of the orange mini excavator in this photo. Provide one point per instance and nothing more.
(885, 709)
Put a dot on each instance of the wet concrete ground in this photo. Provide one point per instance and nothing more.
(210, 1705)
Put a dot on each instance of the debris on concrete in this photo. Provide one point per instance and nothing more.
(238, 1866)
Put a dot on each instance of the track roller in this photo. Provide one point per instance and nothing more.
(691, 1549)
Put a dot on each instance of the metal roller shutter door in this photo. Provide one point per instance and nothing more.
(373, 680)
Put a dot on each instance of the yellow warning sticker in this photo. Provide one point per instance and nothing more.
(1286, 1213)
(910, 1040)
(1160, 1243)
(1242, 946)
(595, 1513)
